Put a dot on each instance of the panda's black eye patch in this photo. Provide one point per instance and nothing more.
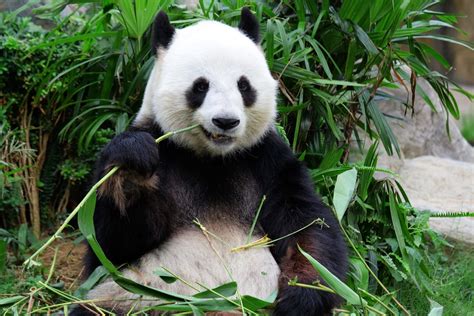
(196, 94)
(249, 95)
(200, 85)
(243, 84)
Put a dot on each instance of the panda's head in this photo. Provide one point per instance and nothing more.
(213, 75)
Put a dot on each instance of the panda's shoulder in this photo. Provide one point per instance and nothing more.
(273, 145)
(273, 153)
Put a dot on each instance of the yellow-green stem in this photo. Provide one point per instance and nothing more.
(310, 286)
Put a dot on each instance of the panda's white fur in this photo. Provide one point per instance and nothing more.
(222, 54)
(202, 261)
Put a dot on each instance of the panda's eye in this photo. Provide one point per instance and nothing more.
(200, 86)
(243, 84)
(249, 94)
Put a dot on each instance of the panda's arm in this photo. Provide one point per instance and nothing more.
(127, 220)
(292, 204)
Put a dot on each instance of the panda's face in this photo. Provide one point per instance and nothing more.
(213, 75)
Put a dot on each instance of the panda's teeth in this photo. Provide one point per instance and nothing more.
(217, 136)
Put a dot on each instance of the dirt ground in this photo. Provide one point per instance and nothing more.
(69, 266)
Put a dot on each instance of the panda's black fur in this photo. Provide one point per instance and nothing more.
(150, 207)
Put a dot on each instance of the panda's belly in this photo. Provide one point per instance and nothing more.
(200, 259)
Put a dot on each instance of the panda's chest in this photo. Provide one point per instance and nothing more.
(210, 193)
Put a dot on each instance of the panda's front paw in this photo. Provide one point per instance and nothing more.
(132, 151)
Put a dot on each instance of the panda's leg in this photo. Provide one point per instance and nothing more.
(295, 300)
(290, 206)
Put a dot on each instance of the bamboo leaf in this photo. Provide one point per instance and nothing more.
(99, 274)
(360, 273)
(228, 289)
(254, 304)
(11, 300)
(334, 282)
(367, 175)
(365, 40)
(196, 311)
(397, 225)
(165, 275)
(343, 191)
(269, 43)
(436, 309)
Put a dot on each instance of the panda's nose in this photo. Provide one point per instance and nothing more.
(225, 123)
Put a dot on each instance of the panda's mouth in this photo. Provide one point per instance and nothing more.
(220, 139)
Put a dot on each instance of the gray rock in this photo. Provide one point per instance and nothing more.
(424, 132)
(437, 171)
(442, 185)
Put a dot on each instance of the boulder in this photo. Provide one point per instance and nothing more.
(435, 169)
(442, 185)
(424, 132)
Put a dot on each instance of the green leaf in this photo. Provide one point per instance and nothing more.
(269, 43)
(334, 282)
(226, 290)
(397, 224)
(331, 159)
(282, 133)
(343, 191)
(11, 300)
(366, 175)
(165, 275)
(254, 303)
(318, 175)
(350, 60)
(442, 38)
(196, 311)
(383, 128)
(436, 309)
(205, 304)
(365, 40)
(360, 274)
(99, 274)
(86, 213)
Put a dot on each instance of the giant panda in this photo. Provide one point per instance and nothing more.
(216, 76)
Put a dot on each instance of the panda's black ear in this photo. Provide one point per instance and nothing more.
(162, 32)
(249, 25)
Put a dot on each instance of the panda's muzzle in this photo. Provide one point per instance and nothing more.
(217, 138)
(225, 123)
